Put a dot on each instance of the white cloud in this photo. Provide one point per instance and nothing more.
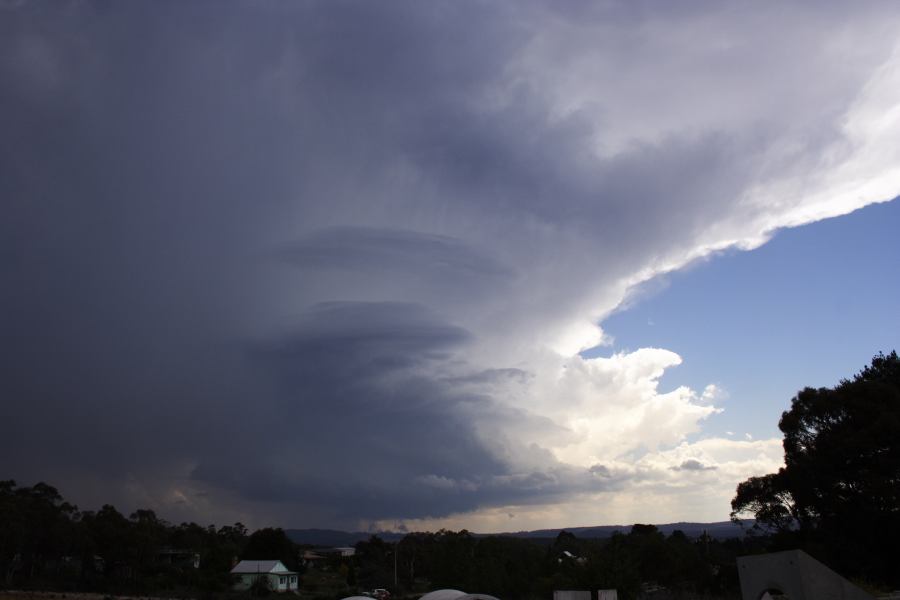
(713, 392)
(650, 491)
(614, 408)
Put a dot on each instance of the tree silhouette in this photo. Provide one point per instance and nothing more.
(271, 544)
(841, 479)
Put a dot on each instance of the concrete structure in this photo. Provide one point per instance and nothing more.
(794, 574)
(607, 595)
(277, 576)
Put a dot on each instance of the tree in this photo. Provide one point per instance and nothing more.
(110, 537)
(271, 544)
(841, 479)
(617, 566)
(36, 529)
(376, 562)
(148, 536)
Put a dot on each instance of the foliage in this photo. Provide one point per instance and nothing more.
(47, 543)
(35, 523)
(271, 544)
(375, 558)
(515, 568)
(841, 479)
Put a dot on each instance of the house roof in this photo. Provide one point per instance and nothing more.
(261, 566)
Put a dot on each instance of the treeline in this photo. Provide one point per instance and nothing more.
(517, 569)
(47, 543)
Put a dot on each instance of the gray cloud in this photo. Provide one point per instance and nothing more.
(303, 261)
(693, 464)
(600, 471)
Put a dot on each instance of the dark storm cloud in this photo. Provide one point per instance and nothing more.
(293, 258)
(440, 259)
(146, 169)
(361, 340)
(372, 435)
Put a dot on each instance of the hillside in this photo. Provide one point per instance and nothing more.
(333, 537)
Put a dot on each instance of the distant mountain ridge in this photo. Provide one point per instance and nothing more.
(334, 537)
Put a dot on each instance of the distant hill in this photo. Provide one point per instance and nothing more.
(719, 530)
(333, 537)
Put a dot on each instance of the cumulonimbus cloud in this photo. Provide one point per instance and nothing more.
(343, 258)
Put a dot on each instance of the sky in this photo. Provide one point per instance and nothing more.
(816, 303)
(494, 265)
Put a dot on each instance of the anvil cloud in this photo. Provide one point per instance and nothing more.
(333, 263)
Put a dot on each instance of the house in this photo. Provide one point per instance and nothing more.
(277, 576)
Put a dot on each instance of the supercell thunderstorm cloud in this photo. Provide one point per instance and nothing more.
(335, 263)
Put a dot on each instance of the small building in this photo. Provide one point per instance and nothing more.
(277, 577)
(310, 558)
